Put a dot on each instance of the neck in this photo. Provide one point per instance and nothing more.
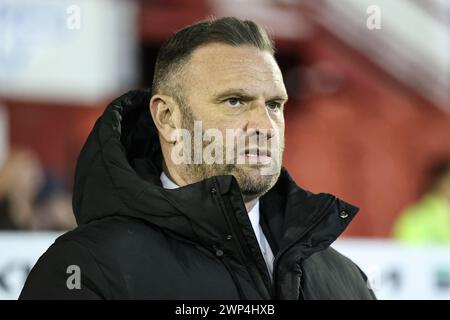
(250, 204)
(173, 175)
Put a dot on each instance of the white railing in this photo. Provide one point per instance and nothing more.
(396, 271)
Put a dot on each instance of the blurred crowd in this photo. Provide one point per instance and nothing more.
(30, 197)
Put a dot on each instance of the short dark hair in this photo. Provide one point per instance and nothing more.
(177, 50)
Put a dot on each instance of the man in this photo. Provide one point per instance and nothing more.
(159, 220)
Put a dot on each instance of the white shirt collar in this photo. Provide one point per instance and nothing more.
(167, 183)
(254, 219)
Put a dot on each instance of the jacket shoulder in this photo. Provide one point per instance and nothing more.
(67, 270)
(87, 251)
(113, 234)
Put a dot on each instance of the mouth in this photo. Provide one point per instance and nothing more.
(256, 155)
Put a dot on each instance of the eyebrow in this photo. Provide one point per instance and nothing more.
(241, 93)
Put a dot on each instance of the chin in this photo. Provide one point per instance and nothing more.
(252, 182)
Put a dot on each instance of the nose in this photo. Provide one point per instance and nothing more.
(259, 121)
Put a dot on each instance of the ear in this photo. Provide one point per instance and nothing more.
(163, 111)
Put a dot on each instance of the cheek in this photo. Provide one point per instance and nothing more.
(278, 123)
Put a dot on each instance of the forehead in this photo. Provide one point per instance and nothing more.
(217, 66)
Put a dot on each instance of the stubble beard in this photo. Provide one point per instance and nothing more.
(251, 182)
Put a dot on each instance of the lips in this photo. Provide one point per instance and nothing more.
(256, 152)
(260, 156)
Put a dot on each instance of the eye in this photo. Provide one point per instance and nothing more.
(273, 105)
(233, 102)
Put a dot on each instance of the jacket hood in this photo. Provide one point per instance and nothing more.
(118, 174)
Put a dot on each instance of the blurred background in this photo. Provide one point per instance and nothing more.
(368, 117)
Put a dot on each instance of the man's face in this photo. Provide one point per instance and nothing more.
(238, 90)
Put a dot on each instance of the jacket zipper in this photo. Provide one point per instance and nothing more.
(232, 223)
(235, 280)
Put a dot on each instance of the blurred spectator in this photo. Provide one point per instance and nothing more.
(428, 221)
(53, 207)
(30, 198)
(20, 178)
